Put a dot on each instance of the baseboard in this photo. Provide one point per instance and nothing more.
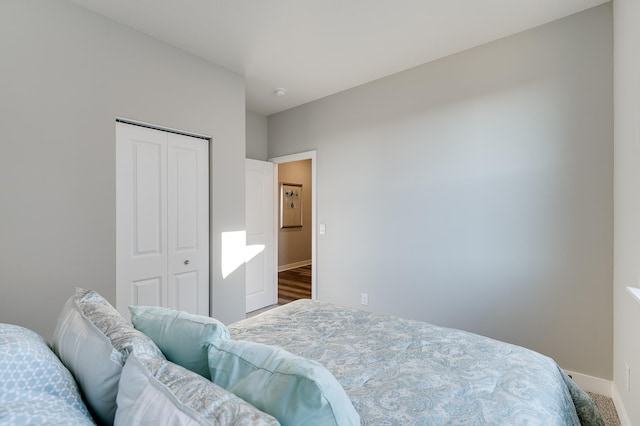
(603, 387)
(617, 401)
(294, 265)
(591, 384)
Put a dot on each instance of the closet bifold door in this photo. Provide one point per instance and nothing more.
(162, 220)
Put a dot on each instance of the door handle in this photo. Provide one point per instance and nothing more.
(186, 262)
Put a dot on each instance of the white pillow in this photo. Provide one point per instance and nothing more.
(154, 392)
(93, 341)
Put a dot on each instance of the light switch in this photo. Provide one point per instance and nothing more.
(323, 229)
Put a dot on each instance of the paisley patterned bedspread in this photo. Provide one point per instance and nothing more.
(403, 372)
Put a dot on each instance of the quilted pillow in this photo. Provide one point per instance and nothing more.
(35, 388)
(154, 392)
(93, 340)
(295, 390)
(182, 337)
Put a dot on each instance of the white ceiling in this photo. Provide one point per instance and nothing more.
(315, 48)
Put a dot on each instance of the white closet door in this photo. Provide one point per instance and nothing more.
(261, 284)
(162, 220)
(188, 215)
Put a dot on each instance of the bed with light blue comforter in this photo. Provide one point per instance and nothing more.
(402, 372)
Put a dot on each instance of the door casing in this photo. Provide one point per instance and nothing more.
(307, 155)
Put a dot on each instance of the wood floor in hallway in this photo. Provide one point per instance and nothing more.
(294, 284)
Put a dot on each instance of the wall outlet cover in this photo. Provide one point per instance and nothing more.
(627, 376)
(364, 299)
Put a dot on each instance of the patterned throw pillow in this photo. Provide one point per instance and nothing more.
(35, 388)
(154, 392)
(93, 340)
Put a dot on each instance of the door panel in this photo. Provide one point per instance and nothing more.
(261, 288)
(186, 291)
(149, 215)
(188, 223)
(162, 219)
(147, 292)
(141, 217)
(186, 181)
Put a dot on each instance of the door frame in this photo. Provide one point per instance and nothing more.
(210, 164)
(307, 155)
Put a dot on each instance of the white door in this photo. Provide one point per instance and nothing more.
(162, 220)
(261, 283)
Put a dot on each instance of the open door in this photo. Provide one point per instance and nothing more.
(261, 287)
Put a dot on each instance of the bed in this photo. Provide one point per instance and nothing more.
(401, 372)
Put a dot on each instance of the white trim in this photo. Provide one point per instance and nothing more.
(308, 155)
(276, 234)
(295, 265)
(591, 384)
(617, 401)
(602, 387)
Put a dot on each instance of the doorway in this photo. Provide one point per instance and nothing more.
(295, 264)
(263, 229)
(292, 257)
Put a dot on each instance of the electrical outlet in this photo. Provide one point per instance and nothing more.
(627, 376)
(364, 299)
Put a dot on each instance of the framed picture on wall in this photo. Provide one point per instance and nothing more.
(290, 205)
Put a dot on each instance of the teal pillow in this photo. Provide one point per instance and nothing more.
(294, 390)
(183, 338)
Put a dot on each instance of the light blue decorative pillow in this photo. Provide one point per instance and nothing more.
(295, 390)
(94, 340)
(158, 392)
(182, 337)
(41, 408)
(35, 388)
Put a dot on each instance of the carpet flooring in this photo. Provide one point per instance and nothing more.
(607, 409)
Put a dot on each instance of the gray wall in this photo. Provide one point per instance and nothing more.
(476, 191)
(627, 206)
(66, 74)
(256, 125)
(294, 244)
